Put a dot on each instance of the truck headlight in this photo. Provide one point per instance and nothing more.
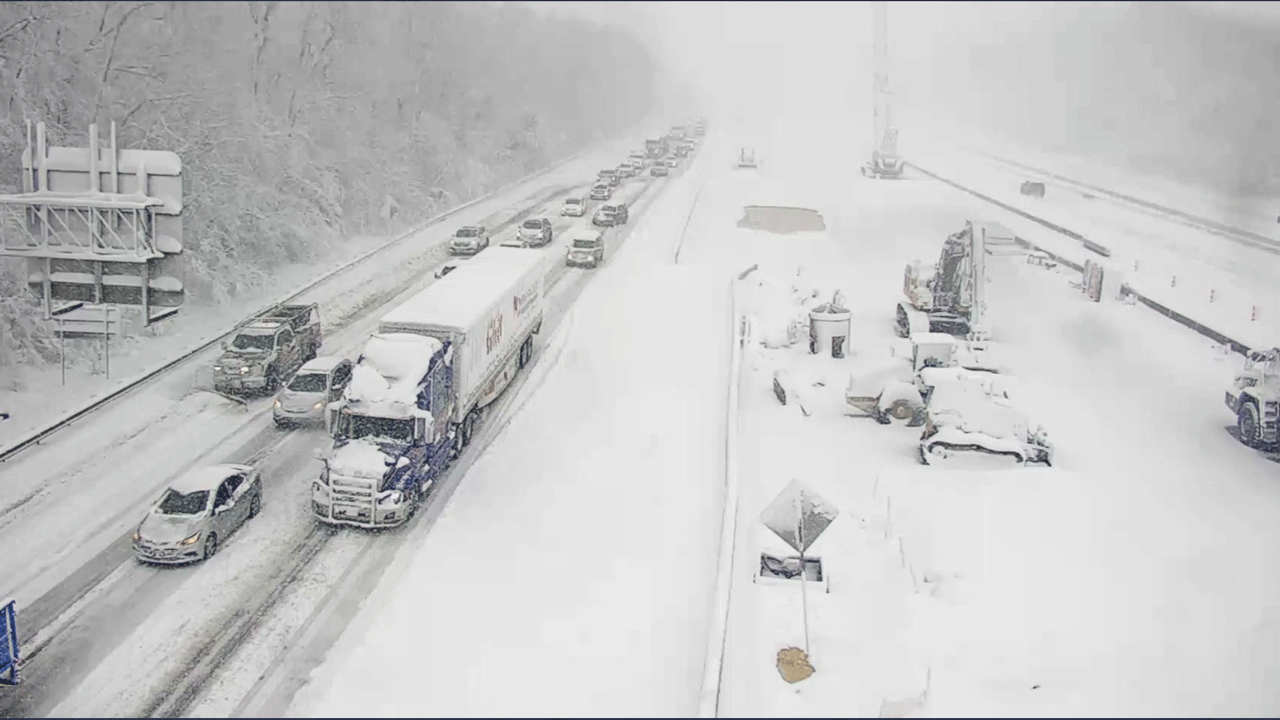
(317, 406)
(245, 370)
(191, 540)
(137, 535)
(217, 368)
(278, 403)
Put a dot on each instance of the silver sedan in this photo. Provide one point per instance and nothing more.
(196, 512)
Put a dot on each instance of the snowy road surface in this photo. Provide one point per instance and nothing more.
(571, 574)
(1129, 579)
(101, 631)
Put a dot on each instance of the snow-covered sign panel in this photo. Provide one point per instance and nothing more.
(798, 515)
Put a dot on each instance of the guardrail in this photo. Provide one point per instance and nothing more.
(35, 437)
(1125, 289)
(713, 665)
(1239, 235)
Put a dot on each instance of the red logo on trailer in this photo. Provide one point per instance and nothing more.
(494, 337)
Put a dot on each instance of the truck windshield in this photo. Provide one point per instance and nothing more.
(308, 383)
(254, 342)
(364, 426)
(176, 503)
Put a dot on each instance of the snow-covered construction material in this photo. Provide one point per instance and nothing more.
(1218, 283)
(483, 310)
(386, 380)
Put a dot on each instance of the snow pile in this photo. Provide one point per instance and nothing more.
(361, 458)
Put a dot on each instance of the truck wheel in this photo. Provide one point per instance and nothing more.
(526, 351)
(468, 428)
(1247, 424)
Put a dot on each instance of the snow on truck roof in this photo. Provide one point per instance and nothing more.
(390, 368)
(459, 299)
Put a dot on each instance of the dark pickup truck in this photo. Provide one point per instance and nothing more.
(268, 349)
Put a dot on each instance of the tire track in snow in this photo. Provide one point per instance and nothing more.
(50, 610)
(273, 690)
(200, 672)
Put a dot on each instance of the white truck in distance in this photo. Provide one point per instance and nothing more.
(421, 384)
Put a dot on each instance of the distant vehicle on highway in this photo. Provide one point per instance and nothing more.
(268, 349)
(316, 384)
(574, 206)
(586, 248)
(196, 513)
(601, 191)
(659, 169)
(610, 215)
(469, 240)
(536, 231)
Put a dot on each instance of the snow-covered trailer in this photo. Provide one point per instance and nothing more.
(485, 313)
(420, 383)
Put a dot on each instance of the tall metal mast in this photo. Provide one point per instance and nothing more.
(884, 158)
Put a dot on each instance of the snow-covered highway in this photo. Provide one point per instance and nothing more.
(92, 615)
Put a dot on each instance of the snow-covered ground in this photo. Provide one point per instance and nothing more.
(1223, 284)
(101, 631)
(571, 572)
(1128, 579)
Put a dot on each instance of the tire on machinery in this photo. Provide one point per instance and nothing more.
(1247, 423)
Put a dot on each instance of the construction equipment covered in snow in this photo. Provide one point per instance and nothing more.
(1254, 397)
(968, 422)
(950, 296)
(898, 388)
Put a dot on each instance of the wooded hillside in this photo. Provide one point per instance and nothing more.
(297, 121)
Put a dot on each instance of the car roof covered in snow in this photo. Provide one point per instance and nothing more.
(204, 478)
(461, 298)
(321, 364)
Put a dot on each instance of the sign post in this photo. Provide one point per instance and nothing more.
(9, 642)
(799, 516)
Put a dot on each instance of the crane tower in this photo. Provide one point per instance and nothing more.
(884, 157)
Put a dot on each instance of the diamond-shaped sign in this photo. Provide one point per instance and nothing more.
(798, 515)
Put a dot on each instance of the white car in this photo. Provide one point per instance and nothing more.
(469, 240)
(574, 207)
(196, 513)
(586, 248)
(317, 383)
